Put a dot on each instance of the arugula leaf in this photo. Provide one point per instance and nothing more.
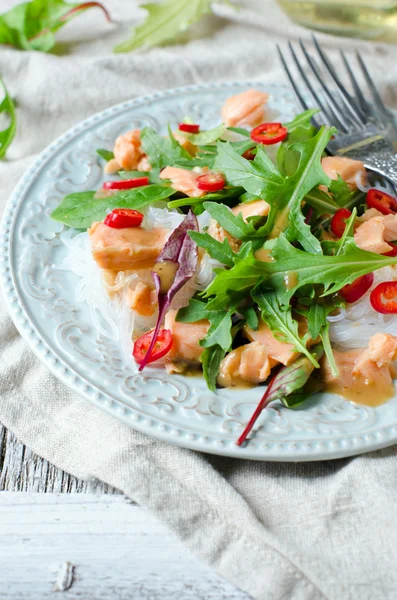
(219, 332)
(323, 203)
(165, 22)
(316, 319)
(31, 25)
(211, 358)
(279, 319)
(333, 272)
(240, 130)
(302, 120)
(233, 224)
(195, 311)
(81, 209)
(283, 193)
(219, 251)
(251, 317)
(153, 175)
(106, 154)
(161, 151)
(341, 191)
(7, 106)
(205, 137)
(227, 193)
(324, 335)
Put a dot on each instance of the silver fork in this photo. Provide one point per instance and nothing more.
(366, 131)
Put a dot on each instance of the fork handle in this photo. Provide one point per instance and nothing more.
(383, 163)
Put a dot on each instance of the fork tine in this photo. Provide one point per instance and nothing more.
(332, 116)
(348, 101)
(357, 90)
(295, 87)
(378, 102)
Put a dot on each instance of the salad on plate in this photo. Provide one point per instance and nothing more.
(244, 252)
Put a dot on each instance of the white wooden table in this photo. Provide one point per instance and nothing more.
(85, 541)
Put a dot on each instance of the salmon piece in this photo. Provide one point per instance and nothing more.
(182, 180)
(185, 350)
(256, 208)
(281, 352)
(127, 150)
(347, 168)
(370, 214)
(246, 108)
(144, 164)
(365, 375)
(249, 363)
(142, 299)
(112, 166)
(218, 233)
(129, 248)
(374, 234)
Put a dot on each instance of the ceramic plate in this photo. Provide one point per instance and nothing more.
(41, 298)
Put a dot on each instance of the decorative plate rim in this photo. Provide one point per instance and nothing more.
(285, 451)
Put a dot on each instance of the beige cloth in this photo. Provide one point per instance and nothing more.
(278, 531)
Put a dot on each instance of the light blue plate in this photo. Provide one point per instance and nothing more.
(42, 303)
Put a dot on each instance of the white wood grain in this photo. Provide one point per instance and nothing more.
(85, 547)
(21, 470)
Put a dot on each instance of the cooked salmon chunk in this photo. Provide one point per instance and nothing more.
(142, 299)
(279, 351)
(249, 363)
(183, 180)
(186, 349)
(128, 248)
(128, 150)
(374, 234)
(257, 208)
(246, 108)
(347, 168)
(365, 375)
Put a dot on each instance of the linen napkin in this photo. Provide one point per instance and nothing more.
(278, 531)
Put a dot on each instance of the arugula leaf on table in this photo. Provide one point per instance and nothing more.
(280, 320)
(31, 25)
(219, 251)
(211, 359)
(7, 134)
(165, 22)
(161, 151)
(332, 272)
(284, 193)
(105, 154)
(81, 209)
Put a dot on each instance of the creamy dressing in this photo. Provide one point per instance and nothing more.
(263, 255)
(280, 224)
(166, 271)
(290, 280)
(362, 391)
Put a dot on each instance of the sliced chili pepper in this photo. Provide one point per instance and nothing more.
(248, 154)
(189, 127)
(393, 251)
(354, 291)
(126, 184)
(269, 133)
(120, 218)
(386, 290)
(338, 223)
(161, 347)
(383, 202)
(211, 182)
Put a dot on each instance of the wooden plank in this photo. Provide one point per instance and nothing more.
(100, 548)
(21, 470)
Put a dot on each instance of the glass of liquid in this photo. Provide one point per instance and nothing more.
(370, 19)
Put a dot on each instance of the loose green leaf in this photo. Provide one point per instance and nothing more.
(106, 154)
(7, 107)
(165, 22)
(205, 137)
(279, 319)
(219, 251)
(31, 25)
(211, 358)
(161, 151)
(81, 209)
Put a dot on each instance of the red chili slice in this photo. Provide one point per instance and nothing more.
(354, 291)
(189, 127)
(161, 347)
(248, 154)
(269, 133)
(338, 223)
(393, 251)
(126, 184)
(211, 182)
(383, 202)
(386, 290)
(120, 218)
